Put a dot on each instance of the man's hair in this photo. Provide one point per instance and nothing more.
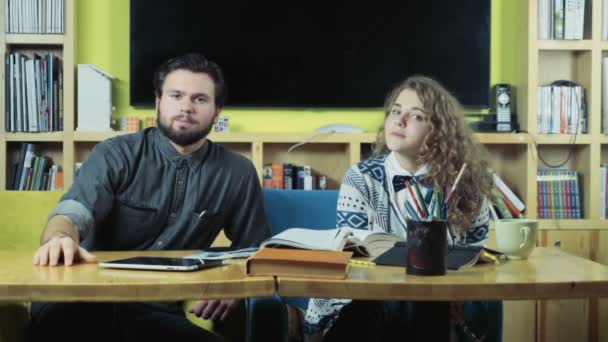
(197, 63)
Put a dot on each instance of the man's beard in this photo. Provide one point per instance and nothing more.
(182, 138)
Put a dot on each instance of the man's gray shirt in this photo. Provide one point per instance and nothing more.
(136, 192)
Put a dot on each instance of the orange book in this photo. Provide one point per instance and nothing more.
(278, 176)
(299, 263)
(59, 180)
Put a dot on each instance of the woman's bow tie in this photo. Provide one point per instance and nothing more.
(399, 182)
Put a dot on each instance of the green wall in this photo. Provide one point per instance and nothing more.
(103, 39)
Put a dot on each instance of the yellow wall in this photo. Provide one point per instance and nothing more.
(103, 40)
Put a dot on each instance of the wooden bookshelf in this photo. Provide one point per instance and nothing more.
(545, 61)
(58, 145)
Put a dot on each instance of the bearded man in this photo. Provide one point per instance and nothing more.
(165, 188)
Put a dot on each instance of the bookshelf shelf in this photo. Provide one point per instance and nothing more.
(96, 136)
(34, 39)
(34, 137)
(582, 224)
(565, 45)
(503, 138)
(563, 139)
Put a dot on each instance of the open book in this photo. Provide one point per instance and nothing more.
(361, 242)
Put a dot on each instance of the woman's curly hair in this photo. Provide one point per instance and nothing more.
(448, 145)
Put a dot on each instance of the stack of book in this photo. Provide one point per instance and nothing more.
(603, 197)
(506, 203)
(33, 93)
(34, 16)
(33, 172)
(558, 194)
(561, 19)
(290, 176)
(562, 108)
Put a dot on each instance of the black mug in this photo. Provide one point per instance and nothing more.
(427, 247)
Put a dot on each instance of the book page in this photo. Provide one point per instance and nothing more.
(327, 239)
(370, 243)
(223, 253)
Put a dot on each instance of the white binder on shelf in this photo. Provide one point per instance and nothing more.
(94, 99)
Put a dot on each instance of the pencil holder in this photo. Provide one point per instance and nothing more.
(427, 247)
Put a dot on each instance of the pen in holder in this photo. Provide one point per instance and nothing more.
(427, 247)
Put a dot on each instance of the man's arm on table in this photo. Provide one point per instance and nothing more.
(61, 239)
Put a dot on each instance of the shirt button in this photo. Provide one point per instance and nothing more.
(173, 215)
(180, 182)
(160, 243)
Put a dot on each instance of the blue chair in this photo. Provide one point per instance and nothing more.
(302, 209)
(317, 210)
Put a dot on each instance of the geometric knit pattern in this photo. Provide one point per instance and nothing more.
(368, 201)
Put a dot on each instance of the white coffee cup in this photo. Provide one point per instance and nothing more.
(516, 238)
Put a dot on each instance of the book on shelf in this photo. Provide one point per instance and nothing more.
(574, 18)
(507, 192)
(267, 177)
(511, 207)
(558, 194)
(34, 172)
(605, 91)
(605, 20)
(558, 19)
(33, 91)
(288, 181)
(458, 256)
(299, 263)
(289, 176)
(34, 16)
(360, 242)
(562, 108)
(498, 201)
(561, 19)
(603, 192)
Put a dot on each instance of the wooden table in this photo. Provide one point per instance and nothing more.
(549, 273)
(21, 281)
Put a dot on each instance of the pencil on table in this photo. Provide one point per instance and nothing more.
(355, 262)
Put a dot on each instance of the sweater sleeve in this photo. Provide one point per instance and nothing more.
(353, 201)
(477, 234)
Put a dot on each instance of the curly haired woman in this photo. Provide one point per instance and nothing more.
(425, 140)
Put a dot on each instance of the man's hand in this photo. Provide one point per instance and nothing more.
(51, 252)
(214, 309)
